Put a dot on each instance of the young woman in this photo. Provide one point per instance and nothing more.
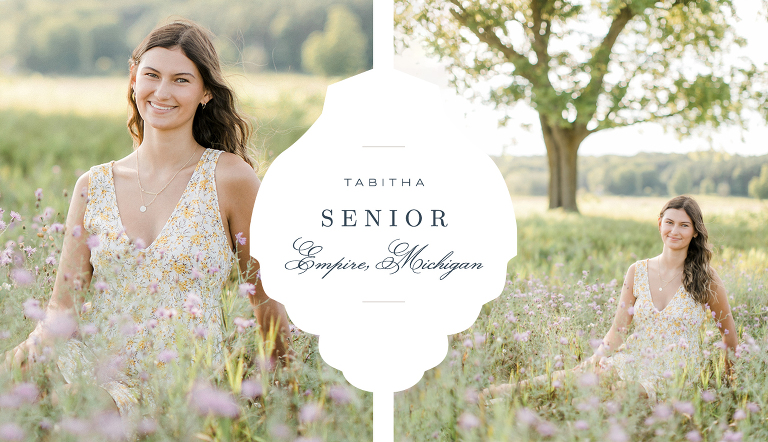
(159, 230)
(667, 299)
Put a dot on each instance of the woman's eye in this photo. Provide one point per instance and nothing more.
(182, 79)
(150, 74)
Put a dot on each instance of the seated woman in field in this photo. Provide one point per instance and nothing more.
(667, 299)
(157, 232)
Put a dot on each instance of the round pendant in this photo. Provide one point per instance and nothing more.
(659, 287)
(143, 209)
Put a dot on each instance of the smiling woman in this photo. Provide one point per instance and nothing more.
(667, 300)
(164, 225)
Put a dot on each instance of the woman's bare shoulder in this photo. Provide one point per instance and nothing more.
(236, 176)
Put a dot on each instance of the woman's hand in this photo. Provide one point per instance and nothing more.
(27, 351)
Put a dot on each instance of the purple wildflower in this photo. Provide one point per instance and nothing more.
(192, 304)
(739, 415)
(166, 356)
(209, 400)
(662, 412)
(240, 238)
(684, 407)
(468, 421)
(340, 394)
(693, 436)
(310, 412)
(110, 425)
(11, 432)
(707, 396)
(92, 242)
(146, 426)
(616, 434)
(581, 425)
(32, 309)
(588, 380)
(471, 395)
(201, 332)
(75, 426)
(246, 289)
(527, 416)
(546, 429)
(251, 389)
(243, 323)
(22, 277)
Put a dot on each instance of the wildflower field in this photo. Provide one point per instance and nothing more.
(559, 300)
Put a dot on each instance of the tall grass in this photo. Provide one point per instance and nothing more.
(560, 296)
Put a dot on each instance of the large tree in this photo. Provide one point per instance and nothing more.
(588, 66)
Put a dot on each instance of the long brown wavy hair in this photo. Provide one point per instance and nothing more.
(697, 273)
(220, 125)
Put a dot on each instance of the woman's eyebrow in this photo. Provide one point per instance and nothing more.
(180, 73)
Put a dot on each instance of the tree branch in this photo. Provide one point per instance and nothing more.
(599, 62)
(645, 120)
(539, 41)
(489, 37)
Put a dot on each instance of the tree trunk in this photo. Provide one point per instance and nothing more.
(562, 148)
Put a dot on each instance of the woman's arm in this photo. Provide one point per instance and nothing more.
(74, 274)
(621, 321)
(240, 185)
(718, 304)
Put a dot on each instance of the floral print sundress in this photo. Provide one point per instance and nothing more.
(663, 343)
(147, 291)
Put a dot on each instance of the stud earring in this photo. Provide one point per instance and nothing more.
(204, 104)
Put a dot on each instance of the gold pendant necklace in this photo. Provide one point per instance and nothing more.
(666, 282)
(144, 207)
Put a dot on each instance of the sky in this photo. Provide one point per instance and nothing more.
(482, 120)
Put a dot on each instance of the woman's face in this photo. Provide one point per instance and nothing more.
(168, 89)
(676, 229)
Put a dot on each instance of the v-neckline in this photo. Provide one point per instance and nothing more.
(650, 292)
(120, 224)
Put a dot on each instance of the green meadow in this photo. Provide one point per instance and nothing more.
(559, 296)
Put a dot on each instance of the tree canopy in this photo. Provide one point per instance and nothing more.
(590, 66)
(85, 37)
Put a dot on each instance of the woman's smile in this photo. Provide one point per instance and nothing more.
(161, 107)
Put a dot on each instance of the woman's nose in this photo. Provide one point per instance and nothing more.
(163, 90)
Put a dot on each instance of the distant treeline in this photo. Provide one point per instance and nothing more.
(83, 37)
(706, 172)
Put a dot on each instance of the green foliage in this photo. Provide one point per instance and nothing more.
(635, 68)
(707, 186)
(83, 37)
(681, 182)
(758, 186)
(337, 51)
(643, 174)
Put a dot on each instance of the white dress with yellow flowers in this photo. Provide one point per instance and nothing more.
(144, 295)
(664, 344)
